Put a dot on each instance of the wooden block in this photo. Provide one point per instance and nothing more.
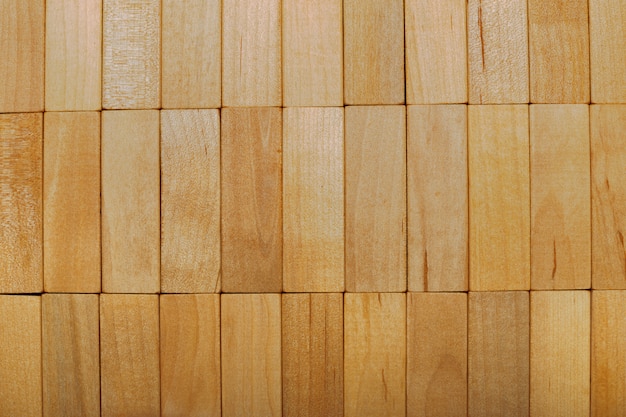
(71, 355)
(190, 355)
(497, 37)
(499, 198)
(20, 356)
(313, 211)
(251, 53)
(560, 196)
(129, 355)
(73, 55)
(251, 200)
(312, 355)
(559, 51)
(312, 34)
(71, 198)
(373, 52)
(251, 357)
(132, 54)
(559, 353)
(130, 201)
(498, 350)
(375, 176)
(437, 198)
(21, 203)
(192, 54)
(190, 201)
(608, 196)
(375, 355)
(436, 354)
(22, 55)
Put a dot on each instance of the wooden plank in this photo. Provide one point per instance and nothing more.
(375, 355)
(73, 54)
(559, 353)
(312, 35)
(190, 355)
(251, 357)
(132, 54)
(192, 54)
(558, 35)
(375, 198)
(21, 203)
(130, 226)
(312, 355)
(560, 196)
(190, 201)
(129, 355)
(499, 198)
(20, 356)
(71, 355)
(608, 197)
(373, 52)
(436, 354)
(313, 211)
(251, 200)
(437, 198)
(251, 61)
(22, 55)
(497, 37)
(71, 199)
(498, 350)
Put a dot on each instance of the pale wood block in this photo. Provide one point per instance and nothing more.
(312, 355)
(373, 52)
(312, 42)
(499, 198)
(436, 354)
(71, 355)
(251, 200)
(130, 201)
(375, 208)
(21, 203)
(192, 54)
(132, 54)
(20, 356)
(190, 201)
(190, 355)
(497, 37)
(375, 355)
(73, 54)
(313, 200)
(498, 350)
(71, 199)
(251, 61)
(560, 196)
(559, 353)
(558, 35)
(437, 198)
(251, 356)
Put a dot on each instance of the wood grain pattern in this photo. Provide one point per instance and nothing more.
(499, 198)
(251, 357)
(312, 355)
(21, 203)
(71, 199)
(190, 201)
(437, 198)
(561, 203)
(130, 201)
(436, 354)
(375, 198)
(71, 352)
(313, 212)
